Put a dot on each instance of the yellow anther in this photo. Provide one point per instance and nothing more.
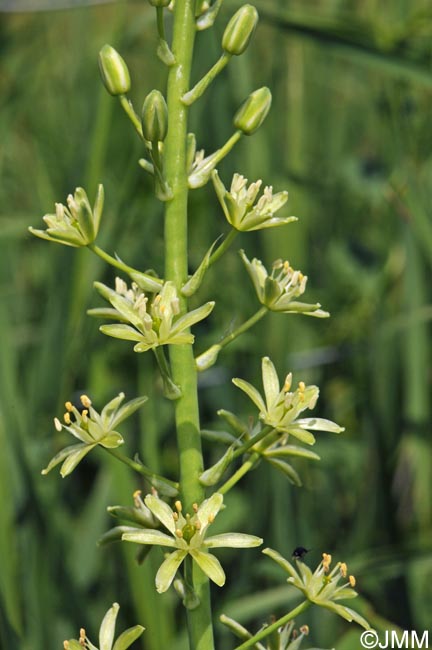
(195, 507)
(178, 506)
(175, 516)
(179, 533)
(68, 406)
(66, 645)
(84, 415)
(137, 494)
(67, 418)
(198, 525)
(288, 382)
(211, 519)
(352, 581)
(343, 569)
(57, 424)
(302, 386)
(85, 401)
(304, 629)
(326, 561)
(82, 637)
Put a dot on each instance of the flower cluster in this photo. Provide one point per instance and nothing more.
(74, 225)
(92, 429)
(150, 323)
(281, 407)
(188, 537)
(278, 290)
(106, 635)
(238, 204)
(286, 637)
(322, 586)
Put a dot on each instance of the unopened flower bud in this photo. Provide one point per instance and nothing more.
(114, 71)
(239, 30)
(253, 111)
(155, 117)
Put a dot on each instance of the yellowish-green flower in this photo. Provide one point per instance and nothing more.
(278, 291)
(188, 536)
(286, 637)
(106, 635)
(149, 323)
(322, 587)
(92, 429)
(239, 205)
(74, 225)
(280, 408)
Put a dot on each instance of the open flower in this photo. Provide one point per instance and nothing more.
(74, 225)
(150, 324)
(92, 429)
(188, 537)
(106, 635)
(279, 290)
(238, 204)
(281, 407)
(322, 587)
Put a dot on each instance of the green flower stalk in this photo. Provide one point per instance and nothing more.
(149, 323)
(253, 111)
(92, 429)
(280, 408)
(76, 224)
(188, 535)
(240, 209)
(114, 71)
(106, 635)
(278, 290)
(322, 586)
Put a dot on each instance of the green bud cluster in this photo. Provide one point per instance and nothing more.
(114, 71)
(253, 111)
(154, 117)
(239, 30)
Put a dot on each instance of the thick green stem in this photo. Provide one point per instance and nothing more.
(176, 266)
(274, 626)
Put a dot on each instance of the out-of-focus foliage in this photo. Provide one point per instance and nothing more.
(350, 137)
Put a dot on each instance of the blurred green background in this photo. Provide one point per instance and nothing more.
(350, 137)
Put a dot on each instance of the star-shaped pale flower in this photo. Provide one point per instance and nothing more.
(239, 205)
(92, 429)
(74, 225)
(322, 586)
(280, 408)
(151, 322)
(278, 291)
(106, 635)
(188, 537)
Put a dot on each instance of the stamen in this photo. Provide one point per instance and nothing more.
(68, 406)
(211, 519)
(302, 386)
(82, 636)
(326, 561)
(179, 533)
(343, 569)
(66, 645)
(304, 629)
(175, 516)
(288, 382)
(67, 418)
(84, 415)
(352, 581)
(197, 525)
(85, 401)
(195, 507)
(178, 506)
(57, 424)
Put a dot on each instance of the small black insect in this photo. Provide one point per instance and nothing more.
(299, 552)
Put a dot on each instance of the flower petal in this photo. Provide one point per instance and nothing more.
(270, 382)
(251, 392)
(74, 459)
(210, 565)
(291, 450)
(162, 511)
(107, 628)
(149, 536)
(168, 569)
(126, 410)
(233, 540)
(61, 455)
(209, 509)
(277, 557)
(318, 424)
(192, 317)
(127, 637)
(121, 331)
